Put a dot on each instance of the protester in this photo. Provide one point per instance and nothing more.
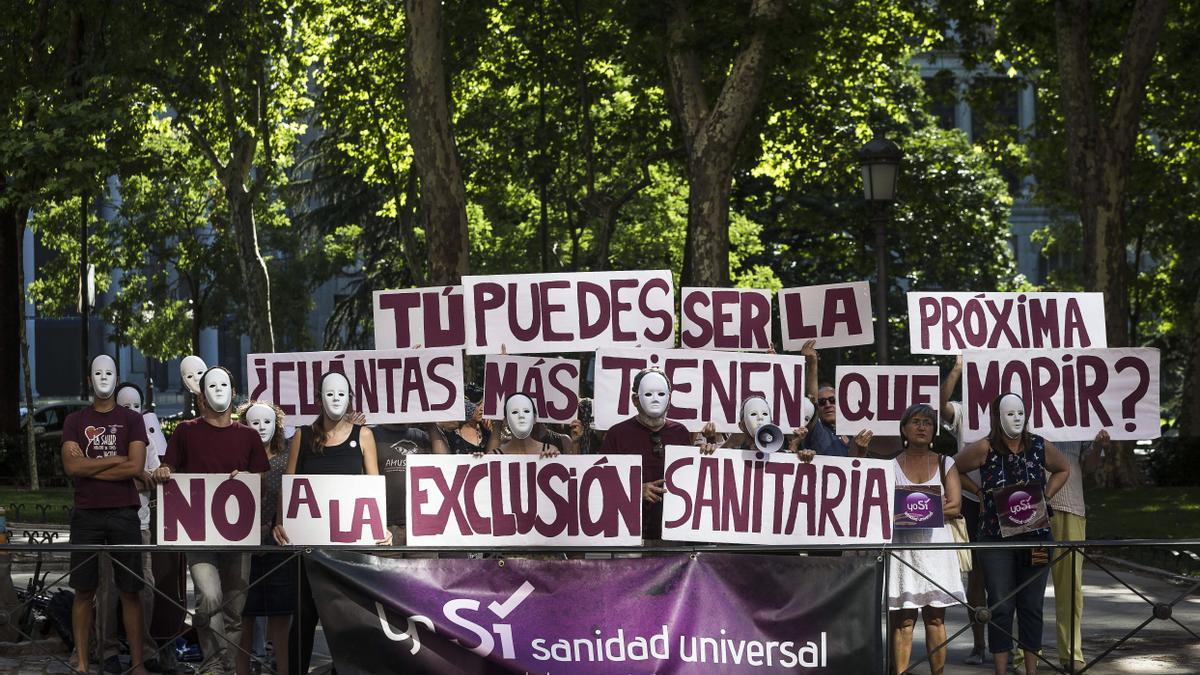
(529, 437)
(927, 581)
(1069, 523)
(393, 445)
(103, 450)
(1015, 579)
(332, 445)
(214, 443)
(470, 437)
(754, 412)
(272, 586)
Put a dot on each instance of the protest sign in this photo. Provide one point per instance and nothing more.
(321, 510)
(412, 318)
(209, 509)
(568, 312)
(748, 497)
(737, 319)
(706, 386)
(553, 384)
(919, 507)
(711, 613)
(949, 323)
(874, 398)
(1069, 395)
(569, 500)
(387, 385)
(835, 315)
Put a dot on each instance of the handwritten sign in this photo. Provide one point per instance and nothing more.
(387, 385)
(524, 501)
(1069, 395)
(419, 318)
(553, 384)
(875, 397)
(568, 312)
(949, 323)
(835, 315)
(737, 319)
(706, 386)
(209, 509)
(334, 510)
(745, 497)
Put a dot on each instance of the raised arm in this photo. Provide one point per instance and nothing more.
(811, 376)
(948, 386)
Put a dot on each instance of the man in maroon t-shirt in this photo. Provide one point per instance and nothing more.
(104, 447)
(214, 443)
(646, 435)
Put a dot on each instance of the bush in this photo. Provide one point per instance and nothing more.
(14, 463)
(1175, 461)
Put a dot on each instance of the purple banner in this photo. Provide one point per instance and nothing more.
(712, 613)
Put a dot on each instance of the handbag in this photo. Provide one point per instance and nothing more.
(958, 529)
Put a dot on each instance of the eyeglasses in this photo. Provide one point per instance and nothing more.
(656, 439)
(828, 399)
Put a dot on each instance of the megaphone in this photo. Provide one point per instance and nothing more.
(768, 438)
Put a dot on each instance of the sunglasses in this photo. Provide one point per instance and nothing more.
(828, 399)
(656, 439)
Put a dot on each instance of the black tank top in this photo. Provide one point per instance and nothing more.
(344, 459)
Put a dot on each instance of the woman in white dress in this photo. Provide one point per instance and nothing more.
(908, 591)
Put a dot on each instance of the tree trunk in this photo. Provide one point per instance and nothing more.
(30, 444)
(708, 223)
(435, 155)
(11, 314)
(1189, 409)
(251, 266)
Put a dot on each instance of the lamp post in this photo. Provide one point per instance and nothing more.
(880, 163)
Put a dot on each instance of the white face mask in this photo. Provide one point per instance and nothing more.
(130, 398)
(518, 412)
(1012, 415)
(755, 413)
(261, 418)
(654, 395)
(335, 396)
(104, 376)
(218, 390)
(191, 369)
(807, 410)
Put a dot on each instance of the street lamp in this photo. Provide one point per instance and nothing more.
(880, 163)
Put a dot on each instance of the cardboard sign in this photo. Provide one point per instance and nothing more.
(949, 323)
(737, 319)
(524, 501)
(553, 384)
(746, 497)
(568, 312)
(835, 315)
(875, 397)
(209, 509)
(414, 318)
(388, 385)
(1020, 509)
(919, 507)
(320, 510)
(1069, 395)
(706, 386)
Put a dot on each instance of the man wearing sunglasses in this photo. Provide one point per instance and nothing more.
(823, 438)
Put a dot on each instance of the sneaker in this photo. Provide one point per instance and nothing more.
(975, 658)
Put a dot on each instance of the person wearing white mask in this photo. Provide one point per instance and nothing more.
(214, 443)
(331, 445)
(527, 435)
(1014, 466)
(754, 412)
(191, 369)
(103, 451)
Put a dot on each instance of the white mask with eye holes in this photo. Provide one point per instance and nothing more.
(103, 374)
(191, 369)
(335, 395)
(807, 410)
(1012, 415)
(755, 413)
(218, 390)
(654, 395)
(261, 418)
(520, 415)
(128, 397)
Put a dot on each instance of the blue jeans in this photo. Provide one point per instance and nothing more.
(1003, 571)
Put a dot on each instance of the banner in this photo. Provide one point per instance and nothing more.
(323, 510)
(875, 397)
(209, 509)
(388, 385)
(415, 318)
(570, 500)
(711, 613)
(736, 319)
(835, 315)
(553, 384)
(748, 497)
(568, 312)
(706, 386)
(1069, 395)
(949, 323)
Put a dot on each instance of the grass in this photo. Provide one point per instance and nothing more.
(28, 501)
